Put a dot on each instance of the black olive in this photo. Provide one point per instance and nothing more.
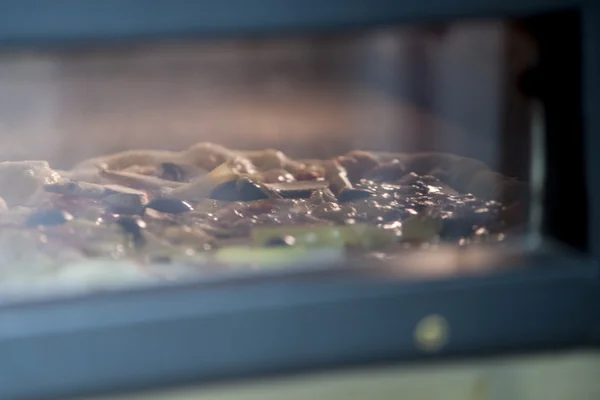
(421, 206)
(394, 215)
(170, 206)
(430, 180)
(353, 195)
(298, 190)
(133, 227)
(295, 194)
(49, 217)
(408, 179)
(456, 227)
(61, 188)
(239, 190)
(172, 172)
(281, 241)
(421, 187)
(124, 203)
(250, 191)
(226, 191)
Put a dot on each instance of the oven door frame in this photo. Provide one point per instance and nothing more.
(292, 323)
(70, 21)
(235, 329)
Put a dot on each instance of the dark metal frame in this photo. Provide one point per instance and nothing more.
(250, 327)
(36, 22)
(287, 323)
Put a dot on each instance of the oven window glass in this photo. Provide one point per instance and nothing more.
(171, 161)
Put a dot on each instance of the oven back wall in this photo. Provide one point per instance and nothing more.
(410, 89)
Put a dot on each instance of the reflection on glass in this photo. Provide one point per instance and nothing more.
(179, 160)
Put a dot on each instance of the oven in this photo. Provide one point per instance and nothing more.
(220, 200)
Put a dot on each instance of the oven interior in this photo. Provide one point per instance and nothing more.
(478, 109)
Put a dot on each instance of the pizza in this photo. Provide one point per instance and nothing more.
(210, 205)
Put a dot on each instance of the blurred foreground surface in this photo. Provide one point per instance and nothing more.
(547, 377)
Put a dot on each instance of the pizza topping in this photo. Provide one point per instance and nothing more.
(132, 227)
(271, 159)
(421, 227)
(198, 189)
(388, 172)
(337, 176)
(348, 195)
(358, 163)
(188, 237)
(126, 202)
(327, 210)
(79, 189)
(155, 205)
(322, 195)
(242, 189)
(281, 241)
(138, 181)
(22, 182)
(275, 176)
(206, 155)
(356, 236)
(306, 175)
(298, 190)
(48, 218)
(171, 171)
(225, 172)
(170, 206)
